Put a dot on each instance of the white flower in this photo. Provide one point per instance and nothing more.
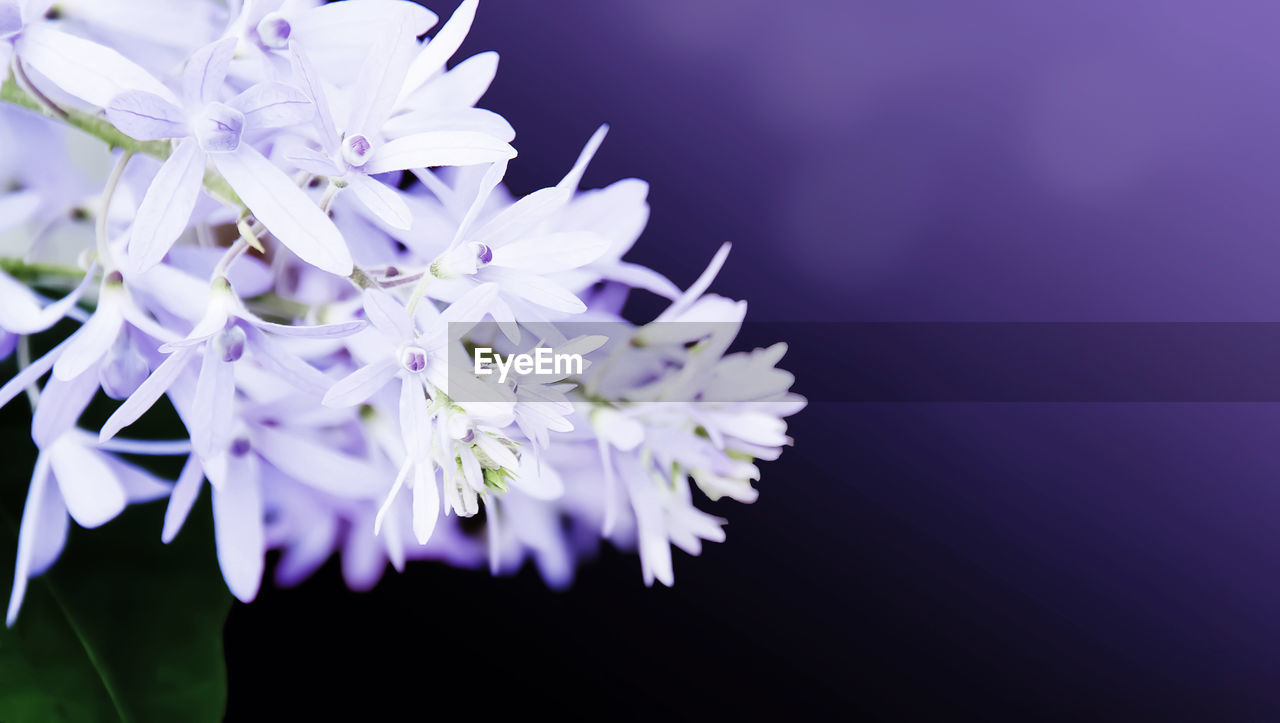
(302, 280)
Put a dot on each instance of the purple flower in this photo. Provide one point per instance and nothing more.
(220, 341)
(301, 315)
(211, 130)
(355, 150)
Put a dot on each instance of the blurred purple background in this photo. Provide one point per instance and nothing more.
(993, 160)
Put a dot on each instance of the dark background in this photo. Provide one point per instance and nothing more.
(991, 160)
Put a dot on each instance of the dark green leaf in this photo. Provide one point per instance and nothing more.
(123, 627)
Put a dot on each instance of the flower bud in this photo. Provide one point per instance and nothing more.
(413, 359)
(230, 343)
(274, 31)
(356, 150)
(464, 260)
(123, 369)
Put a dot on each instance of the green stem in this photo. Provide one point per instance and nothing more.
(24, 271)
(104, 245)
(98, 127)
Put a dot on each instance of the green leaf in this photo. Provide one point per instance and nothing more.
(123, 627)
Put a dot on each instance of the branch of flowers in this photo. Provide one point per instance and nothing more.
(104, 247)
(98, 127)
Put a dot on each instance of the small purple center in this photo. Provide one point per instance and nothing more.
(231, 344)
(274, 31)
(356, 150)
(413, 359)
(240, 447)
(218, 128)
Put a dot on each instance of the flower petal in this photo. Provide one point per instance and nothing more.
(405, 468)
(90, 488)
(467, 310)
(489, 181)
(476, 120)
(60, 407)
(521, 217)
(205, 72)
(361, 384)
(438, 148)
(92, 72)
(238, 527)
(699, 287)
(10, 17)
(167, 207)
(182, 498)
(305, 74)
(387, 314)
(339, 330)
(146, 395)
(19, 306)
(339, 34)
(41, 536)
(139, 485)
(212, 408)
(461, 87)
(285, 209)
(440, 48)
(315, 464)
(338, 22)
(573, 178)
(381, 76)
(655, 547)
(309, 160)
(286, 365)
(641, 277)
(415, 420)
(31, 374)
(146, 116)
(538, 480)
(537, 289)
(383, 202)
(92, 340)
(553, 252)
(274, 105)
(426, 503)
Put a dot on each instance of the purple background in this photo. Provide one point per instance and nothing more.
(991, 160)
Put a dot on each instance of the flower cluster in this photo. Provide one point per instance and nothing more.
(286, 218)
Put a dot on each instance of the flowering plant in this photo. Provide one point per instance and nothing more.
(302, 231)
